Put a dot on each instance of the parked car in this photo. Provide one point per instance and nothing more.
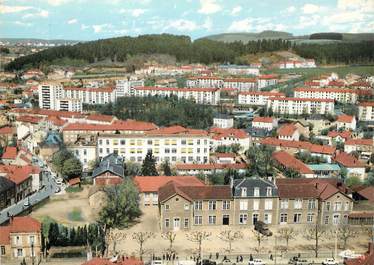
(330, 261)
(209, 262)
(256, 262)
(302, 262)
(263, 228)
(226, 262)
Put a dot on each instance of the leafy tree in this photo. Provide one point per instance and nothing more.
(133, 169)
(166, 168)
(260, 160)
(353, 181)
(149, 165)
(59, 158)
(370, 178)
(72, 167)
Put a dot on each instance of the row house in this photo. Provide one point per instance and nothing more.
(264, 123)
(210, 96)
(21, 238)
(299, 106)
(338, 94)
(240, 84)
(227, 137)
(257, 98)
(365, 147)
(204, 82)
(247, 201)
(239, 69)
(174, 144)
(266, 80)
(366, 111)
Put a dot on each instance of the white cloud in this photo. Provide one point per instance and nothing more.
(72, 21)
(208, 24)
(241, 25)
(307, 21)
(289, 10)
(58, 2)
(181, 25)
(101, 27)
(363, 5)
(343, 18)
(310, 9)
(84, 27)
(137, 12)
(13, 9)
(23, 24)
(255, 25)
(209, 7)
(41, 13)
(236, 10)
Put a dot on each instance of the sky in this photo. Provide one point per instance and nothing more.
(97, 19)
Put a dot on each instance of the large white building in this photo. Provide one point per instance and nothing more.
(258, 98)
(366, 111)
(123, 86)
(69, 104)
(48, 95)
(174, 144)
(266, 80)
(338, 94)
(204, 82)
(241, 84)
(101, 95)
(239, 69)
(209, 96)
(298, 106)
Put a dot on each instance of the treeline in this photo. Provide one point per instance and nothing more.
(163, 111)
(345, 52)
(123, 48)
(326, 36)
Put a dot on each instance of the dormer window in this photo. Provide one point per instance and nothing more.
(244, 192)
(269, 192)
(256, 192)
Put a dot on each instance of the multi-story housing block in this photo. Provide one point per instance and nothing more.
(48, 95)
(241, 84)
(204, 82)
(123, 87)
(266, 80)
(258, 98)
(239, 69)
(338, 94)
(298, 106)
(101, 95)
(209, 96)
(69, 104)
(366, 111)
(173, 144)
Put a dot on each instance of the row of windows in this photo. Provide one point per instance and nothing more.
(152, 142)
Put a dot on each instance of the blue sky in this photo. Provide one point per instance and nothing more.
(94, 19)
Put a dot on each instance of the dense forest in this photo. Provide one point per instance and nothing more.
(199, 51)
(159, 110)
(326, 36)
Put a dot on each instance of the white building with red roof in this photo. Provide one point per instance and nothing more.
(346, 122)
(298, 106)
(355, 168)
(343, 95)
(266, 80)
(227, 137)
(257, 98)
(240, 84)
(204, 82)
(288, 132)
(365, 147)
(265, 123)
(366, 111)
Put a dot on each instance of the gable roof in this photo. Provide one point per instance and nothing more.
(287, 130)
(344, 134)
(219, 133)
(263, 119)
(367, 193)
(111, 163)
(289, 161)
(19, 224)
(10, 153)
(19, 174)
(348, 160)
(345, 118)
(250, 184)
(153, 183)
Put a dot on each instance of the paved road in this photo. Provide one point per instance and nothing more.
(48, 188)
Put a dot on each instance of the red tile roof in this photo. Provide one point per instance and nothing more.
(326, 90)
(153, 183)
(268, 77)
(128, 125)
(359, 142)
(287, 130)
(211, 166)
(19, 174)
(28, 119)
(176, 130)
(178, 89)
(345, 118)
(263, 119)
(344, 134)
(241, 80)
(100, 89)
(100, 117)
(289, 161)
(263, 93)
(57, 121)
(10, 153)
(301, 99)
(4, 235)
(23, 224)
(219, 133)
(347, 160)
(6, 130)
(293, 191)
(367, 104)
(367, 193)
(225, 155)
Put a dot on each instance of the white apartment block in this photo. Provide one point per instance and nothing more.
(241, 84)
(205, 82)
(309, 63)
(265, 123)
(266, 80)
(101, 95)
(209, 96)
(69, 104)
(223, 121)
(337, 94)
(123, 86)
(175, 148)
(239, 69)
(366, 111)
(86, 153)
(48, 94)
(258, 98)
(300, 106)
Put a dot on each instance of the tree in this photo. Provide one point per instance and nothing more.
(315, 233)
(114, 236)
(259, 238)
(369, 232)
(141, 238)
(169, 236)
(149, 165)
(198, 237)
(370, 178)
(230, 236)
(133, 169)
(287, 233)
(353, 181)
(166, 168)
(72, 167)
(59, 158)
(345, 232)
(260, 160)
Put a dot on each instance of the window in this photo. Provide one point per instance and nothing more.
(244, 192)
(283, 218)
(284, 204)
(183, 142)
(198, 220)
(297, 218)
(186, 222)
(337, 206)
(243, 219)
(269, 192)
(2, 251)
(123, 142)
(226, 205)
(256, 205)
(186, 206)
(336, 219)
(243, 205)
(167, 207)
(212, 219)
(20, 252)
(309, 217)
(327, 219)
(167, 223)
(298, 203)
(311, 204)
(198, 205)
(254, 218)
(346, 206)
(256, 192)
(328, 206)
(212, 205)
(32, 240)
(267, 218)
(268, 204)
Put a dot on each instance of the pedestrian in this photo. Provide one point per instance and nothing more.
(271, 256)
(241, 258)
(250, 257)
(217, 255)
(237, 259)
(163, 256)
(210, 255)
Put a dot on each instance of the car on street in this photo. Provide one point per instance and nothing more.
(303, 262)
(263, 228)
(256, 262)
(330, 261)
(226, 262)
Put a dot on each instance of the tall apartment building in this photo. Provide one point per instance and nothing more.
(266, 80)
(338, 94)
(173, 144)
(48, 95)
(69, 104)
(366, 111)
(101, 95)
(209, 96)
(298, 106)
(258, 98)
(124, 86)
(204, 82)
(241, 84)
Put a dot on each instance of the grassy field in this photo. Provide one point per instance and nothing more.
(340, 70)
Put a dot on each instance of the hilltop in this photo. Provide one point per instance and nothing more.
(245, 37)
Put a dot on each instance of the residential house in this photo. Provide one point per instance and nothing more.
(288, 161)
(353, 166)
(265, 123)
(288, 132)
(366, 111)
(325, 170)
(7, 192)
(110, 171)
(227, 137)
(9, 155)
(346, 122)
(335, 137)
(223, 121)
(365, 147)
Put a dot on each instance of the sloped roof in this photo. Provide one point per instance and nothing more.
(10, 153)
(289, 161)
(367, 193)
(153, 183)
(348, 160)
(345, 118)
(111, 163)
(287, 130)
(251, 183)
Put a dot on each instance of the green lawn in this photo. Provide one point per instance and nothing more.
(73, 189)
(75, 215)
